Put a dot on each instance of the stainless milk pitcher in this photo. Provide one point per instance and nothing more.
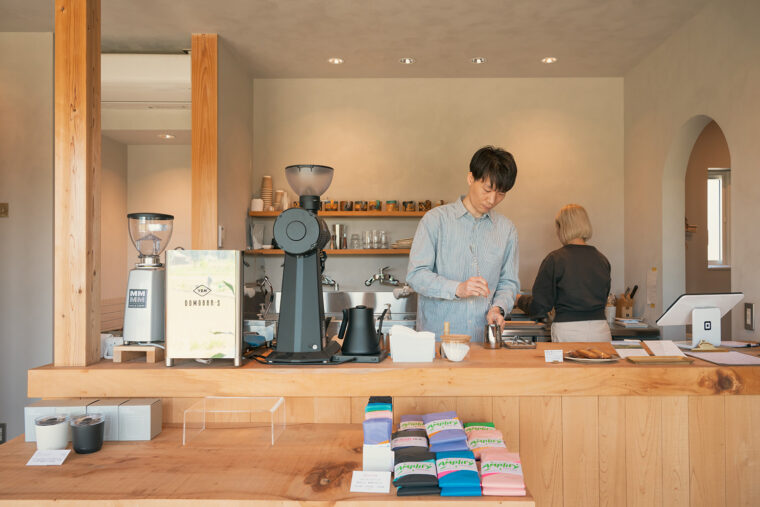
(492, 336)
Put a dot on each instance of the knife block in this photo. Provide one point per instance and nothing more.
(624, 307)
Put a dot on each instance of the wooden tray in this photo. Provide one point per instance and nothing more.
(660, 360)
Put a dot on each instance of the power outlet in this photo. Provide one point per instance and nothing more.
(3, 210)
(3, 431)
(749, 316)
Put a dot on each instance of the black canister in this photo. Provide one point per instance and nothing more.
(87, 432)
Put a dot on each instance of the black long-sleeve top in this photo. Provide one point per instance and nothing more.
(575, 281)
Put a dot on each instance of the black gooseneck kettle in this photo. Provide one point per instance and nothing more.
(358, 332)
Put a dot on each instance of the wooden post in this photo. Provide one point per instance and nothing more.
(77, 183)
(205, 158)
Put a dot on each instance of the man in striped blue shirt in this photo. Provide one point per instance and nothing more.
(463, 262)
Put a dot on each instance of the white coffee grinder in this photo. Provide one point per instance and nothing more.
(144, 308)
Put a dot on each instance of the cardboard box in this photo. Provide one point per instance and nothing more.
(140, 419)
(69, 407)
(109, 407)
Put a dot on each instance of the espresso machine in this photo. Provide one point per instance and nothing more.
(144, 308)
(301, 329)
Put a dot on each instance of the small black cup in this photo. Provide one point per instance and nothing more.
(87, 432)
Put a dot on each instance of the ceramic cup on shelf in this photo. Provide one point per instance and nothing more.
(87, 432)
(257, 204)
(52, 432)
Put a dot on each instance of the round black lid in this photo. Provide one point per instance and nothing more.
(151, 216)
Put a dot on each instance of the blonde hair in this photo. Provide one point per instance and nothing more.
(572, 222)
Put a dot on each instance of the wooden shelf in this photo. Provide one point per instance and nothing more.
(309, 465)
(348, 214)
(368, 251)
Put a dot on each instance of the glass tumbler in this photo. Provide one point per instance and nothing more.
(355, 242)
(383, 239)
(367, 239)
(375, 238)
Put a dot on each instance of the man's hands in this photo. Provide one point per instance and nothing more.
(475, 286)
(494, 316)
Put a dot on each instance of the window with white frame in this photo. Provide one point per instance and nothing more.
(718, 205)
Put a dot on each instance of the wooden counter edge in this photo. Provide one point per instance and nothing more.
(141, 380)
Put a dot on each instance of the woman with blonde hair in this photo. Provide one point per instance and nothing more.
(574, 281)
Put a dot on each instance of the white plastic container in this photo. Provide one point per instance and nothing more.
(52, 432)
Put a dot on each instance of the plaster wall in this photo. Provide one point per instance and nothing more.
(412, 139)
(26, 236)
(705, 71)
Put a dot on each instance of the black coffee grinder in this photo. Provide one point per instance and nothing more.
(301, 329)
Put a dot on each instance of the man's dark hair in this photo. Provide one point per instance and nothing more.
(495, 165)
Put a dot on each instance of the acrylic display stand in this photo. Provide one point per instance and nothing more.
(220, 421)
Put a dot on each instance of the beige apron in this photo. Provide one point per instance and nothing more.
(581, 331)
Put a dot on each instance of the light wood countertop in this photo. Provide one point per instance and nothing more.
(501, 372)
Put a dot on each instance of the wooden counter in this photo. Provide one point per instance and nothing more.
(310, 464)
(604, 434)
(500, 372)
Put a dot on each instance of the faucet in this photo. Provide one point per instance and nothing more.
(381, 277)
(265, 286)
(326, 280)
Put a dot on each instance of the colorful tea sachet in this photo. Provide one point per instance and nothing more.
(478, 440)
(478, 426)
(377, 407)
(457, 473)
(409, 438)
(445, 432)
(414, 472)
(411, 422)
(501, 473)
(378, 420)
(379, 414)
(377, 431)
(377, 454)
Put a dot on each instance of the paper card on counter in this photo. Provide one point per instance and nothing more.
(738, 345)
(553, 356)
(363, 481)
(727, 358)
(48, 458)
(664, 348)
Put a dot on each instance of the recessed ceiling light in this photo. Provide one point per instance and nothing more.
(407, 60)
(479, 60)
(166, 136)
(548, 59)
(335, 60)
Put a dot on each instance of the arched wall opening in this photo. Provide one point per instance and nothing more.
(673, 212)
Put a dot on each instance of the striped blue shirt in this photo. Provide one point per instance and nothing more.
(449, 247)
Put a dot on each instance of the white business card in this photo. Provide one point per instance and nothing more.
(553, 356)
(48, 458)
(364, 481)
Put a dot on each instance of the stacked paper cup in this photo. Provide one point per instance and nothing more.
(278, 196)
(266, 192)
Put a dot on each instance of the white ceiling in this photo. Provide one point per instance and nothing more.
(294, 38)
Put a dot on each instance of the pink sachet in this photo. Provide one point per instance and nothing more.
(485, 439)
(501, 472)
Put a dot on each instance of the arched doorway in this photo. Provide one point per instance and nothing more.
(708, 179)
(673, 215)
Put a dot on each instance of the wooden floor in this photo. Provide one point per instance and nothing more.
(309, 465)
